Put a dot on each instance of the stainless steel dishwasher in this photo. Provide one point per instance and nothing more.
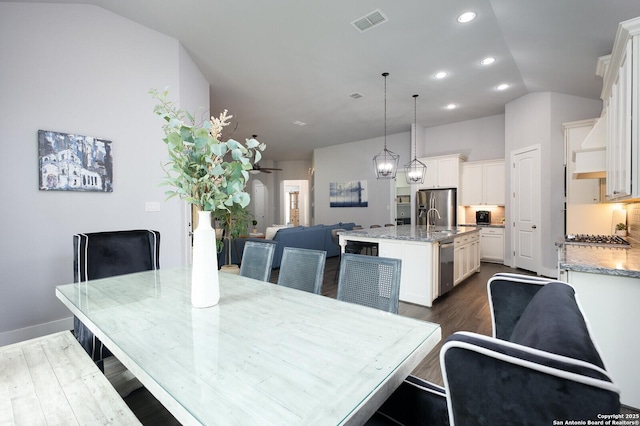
(446, 266)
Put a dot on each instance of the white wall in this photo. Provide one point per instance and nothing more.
(479, 139)
(79, 69)
(533, 119)
(354, 161)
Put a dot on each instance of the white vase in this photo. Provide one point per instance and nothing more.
(205, 286)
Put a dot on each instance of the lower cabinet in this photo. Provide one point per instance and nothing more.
(466, 256)
(610, 304)
(418, 279)
(492, 245)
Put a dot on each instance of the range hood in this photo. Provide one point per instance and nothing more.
(591, 158)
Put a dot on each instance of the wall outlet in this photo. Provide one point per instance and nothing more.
(152, 206)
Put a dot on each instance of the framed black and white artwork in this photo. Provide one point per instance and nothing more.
(70, 162)
(348, 194)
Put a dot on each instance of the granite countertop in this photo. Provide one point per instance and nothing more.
(491, 225)
(411, 232)
(601, 260)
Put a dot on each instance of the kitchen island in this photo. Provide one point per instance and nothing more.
(419, 250)
(607, 283)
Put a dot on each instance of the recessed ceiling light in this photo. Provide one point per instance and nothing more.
(451, 106)
(441, 74)
(487, 61)
(466, 17)
(503, 86)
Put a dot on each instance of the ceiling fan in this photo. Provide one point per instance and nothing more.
(257, 169)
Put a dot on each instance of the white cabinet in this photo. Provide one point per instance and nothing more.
(610, 304)
(621, 102)
(579, 191)
(483, 183)
(419, 275)
(466, 256)
(442, 171)
(492, 244)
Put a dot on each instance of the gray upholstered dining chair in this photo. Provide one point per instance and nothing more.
(302, 269)
(257, 259)
(370, 281)
(107, 254)
(351, 247)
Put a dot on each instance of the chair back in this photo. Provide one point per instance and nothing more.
(302, 269)
(257, 259)
(370, 281)
(107, 254)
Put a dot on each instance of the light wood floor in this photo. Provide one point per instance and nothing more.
(464, 308)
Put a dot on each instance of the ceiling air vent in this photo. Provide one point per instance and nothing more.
(356, 95)
(369, 21)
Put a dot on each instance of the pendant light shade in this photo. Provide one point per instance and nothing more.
(386, 162)
(415, 170)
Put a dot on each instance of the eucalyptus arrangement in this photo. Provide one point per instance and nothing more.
(210, 173)
(203, 169)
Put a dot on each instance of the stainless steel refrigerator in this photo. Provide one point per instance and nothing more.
(438, 205)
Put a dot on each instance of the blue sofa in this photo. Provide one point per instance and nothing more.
(316, 237)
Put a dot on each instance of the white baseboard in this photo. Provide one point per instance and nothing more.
(14, 336)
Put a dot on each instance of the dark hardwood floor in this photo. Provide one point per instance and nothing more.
(464, 308)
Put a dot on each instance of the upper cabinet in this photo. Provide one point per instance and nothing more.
(621, 103)
(483, 183)
(442, 171)
(581, 189)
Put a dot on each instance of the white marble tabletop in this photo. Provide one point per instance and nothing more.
(264, 355)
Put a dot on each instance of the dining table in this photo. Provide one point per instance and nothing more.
(265, 354)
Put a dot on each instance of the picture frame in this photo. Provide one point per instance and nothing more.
(71, 162)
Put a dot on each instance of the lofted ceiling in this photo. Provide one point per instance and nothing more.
(275, 63)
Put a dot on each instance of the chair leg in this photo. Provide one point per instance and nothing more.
(335, 276)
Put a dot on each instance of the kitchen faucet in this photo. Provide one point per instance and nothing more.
(432, 208)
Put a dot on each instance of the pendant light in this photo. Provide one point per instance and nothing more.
(386, 162)
(415, 170)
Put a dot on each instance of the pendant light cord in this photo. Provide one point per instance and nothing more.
(385, 74)
(415, 127)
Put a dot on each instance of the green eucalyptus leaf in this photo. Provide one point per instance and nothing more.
(219, 150)
(201, 142)
(233, 144)
(252, 143)
(174, 140)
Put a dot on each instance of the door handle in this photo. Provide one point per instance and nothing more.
(533, 227)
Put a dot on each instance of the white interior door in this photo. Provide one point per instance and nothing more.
(260, 204)
(525, 201)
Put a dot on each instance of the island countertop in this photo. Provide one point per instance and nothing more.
(410, 232)
(601, 260)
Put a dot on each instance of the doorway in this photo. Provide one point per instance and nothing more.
(526, 201)
(302, 189)
(260, 198)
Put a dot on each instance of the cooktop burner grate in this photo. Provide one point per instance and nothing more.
(597, 240)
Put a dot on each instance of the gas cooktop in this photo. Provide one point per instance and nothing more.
(597, 240)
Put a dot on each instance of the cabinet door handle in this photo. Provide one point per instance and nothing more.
(533, 227)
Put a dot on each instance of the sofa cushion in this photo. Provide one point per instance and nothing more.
(271, 231)
(553, 322)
